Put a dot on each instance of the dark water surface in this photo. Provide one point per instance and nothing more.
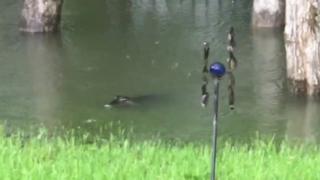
(147, 48)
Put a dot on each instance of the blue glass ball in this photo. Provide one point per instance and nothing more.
(217, 69)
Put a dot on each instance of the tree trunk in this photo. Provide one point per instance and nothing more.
(268, 13)
(302, 46)
(41, 15)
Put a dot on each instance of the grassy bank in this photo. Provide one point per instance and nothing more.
(67, 159)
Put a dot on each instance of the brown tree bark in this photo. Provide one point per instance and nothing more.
(302, 35)
(268, 13)
(41, 16)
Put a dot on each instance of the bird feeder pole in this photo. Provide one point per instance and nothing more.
(217, 71)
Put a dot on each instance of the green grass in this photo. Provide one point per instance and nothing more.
(57, 158)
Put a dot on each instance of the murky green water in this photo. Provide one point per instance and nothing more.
(147, 47)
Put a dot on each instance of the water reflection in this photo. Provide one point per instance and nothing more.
(45, 65)
(269, 72)
(303, 119)
(268, 65)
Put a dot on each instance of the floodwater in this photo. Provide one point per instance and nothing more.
(153, 49)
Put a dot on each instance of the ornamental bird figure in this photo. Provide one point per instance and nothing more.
(232, 61)
(231, 40)
(205, 71)
(206, 50)
(232, 65)
(204, 95)
(231, 84)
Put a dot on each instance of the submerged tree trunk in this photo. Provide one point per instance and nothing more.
(268, 13)
(302, 46)
(41, 15)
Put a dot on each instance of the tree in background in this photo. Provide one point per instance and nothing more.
(268, 13)
(302, 36)
(41, 16)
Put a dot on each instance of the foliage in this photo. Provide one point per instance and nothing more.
(115, 158)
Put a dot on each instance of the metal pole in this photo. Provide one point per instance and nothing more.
(215, 126)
